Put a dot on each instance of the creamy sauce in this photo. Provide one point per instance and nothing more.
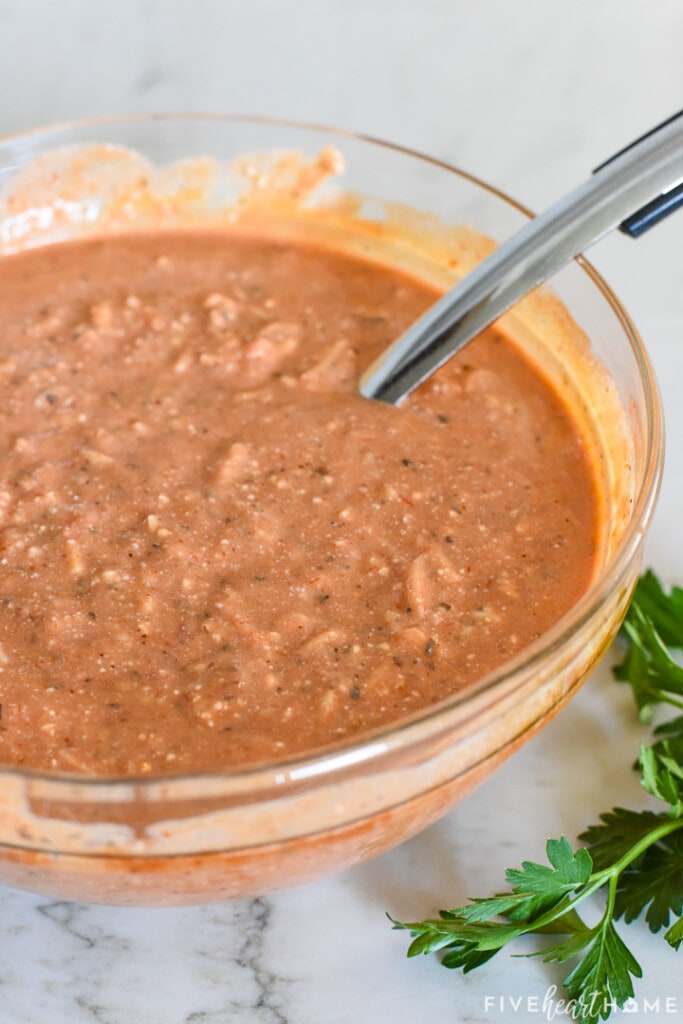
(214, 553)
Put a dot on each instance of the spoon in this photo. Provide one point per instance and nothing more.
(649, 171)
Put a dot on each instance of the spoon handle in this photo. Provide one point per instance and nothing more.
(634, 189)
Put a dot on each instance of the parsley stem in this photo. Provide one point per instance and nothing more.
(611, 896)
(664, 698)
(610, 874)
(648, 840)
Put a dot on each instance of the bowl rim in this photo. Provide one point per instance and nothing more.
(445, 715)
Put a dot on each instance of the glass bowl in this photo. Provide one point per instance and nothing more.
(205, 837)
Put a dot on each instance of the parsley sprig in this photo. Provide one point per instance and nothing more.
(634, 858)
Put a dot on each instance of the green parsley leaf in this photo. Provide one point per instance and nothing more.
(665, 612)
(603, 974)
(634, 857)
(661, 776)
(654, 885)
(654, 629)
(674, 936)
(568, 870)
(653, 882)
(672, 729)
(618, 832)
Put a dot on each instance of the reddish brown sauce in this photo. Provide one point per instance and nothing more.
(213, 551)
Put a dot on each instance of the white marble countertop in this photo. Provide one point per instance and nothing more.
(529, 96)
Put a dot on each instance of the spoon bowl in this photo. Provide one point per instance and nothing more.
(649, 171)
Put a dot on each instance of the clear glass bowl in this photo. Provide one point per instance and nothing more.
(204, 837)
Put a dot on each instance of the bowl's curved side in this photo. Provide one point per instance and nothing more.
(199, 838)
(233, 852)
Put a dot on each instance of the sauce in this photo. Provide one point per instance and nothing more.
(214, 552)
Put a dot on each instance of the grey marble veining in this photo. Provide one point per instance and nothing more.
(187, 965)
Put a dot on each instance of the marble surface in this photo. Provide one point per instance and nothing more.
(529, 96)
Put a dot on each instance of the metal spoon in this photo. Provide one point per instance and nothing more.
(649, 171)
